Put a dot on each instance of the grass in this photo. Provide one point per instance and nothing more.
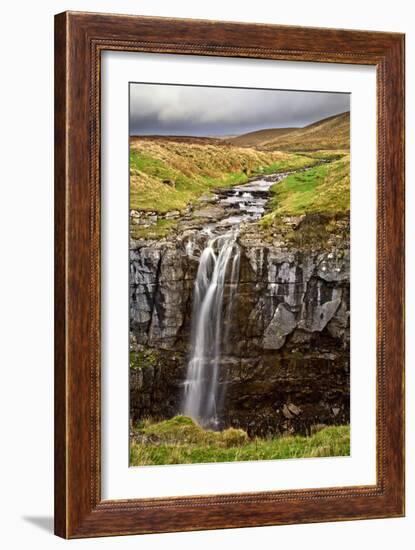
(160, 229)
(325, 155)
(259, 137)
(181, 441)
(324, 189)
(287, 165)
(166, 175)
(330, 133)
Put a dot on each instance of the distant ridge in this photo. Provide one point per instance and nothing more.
(253, 139)
(182, 139)
(329, 133)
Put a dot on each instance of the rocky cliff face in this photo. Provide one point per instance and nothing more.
(285, 366)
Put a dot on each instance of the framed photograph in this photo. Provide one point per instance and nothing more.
(229, 275)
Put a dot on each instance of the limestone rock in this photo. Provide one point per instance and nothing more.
(320, 316)
(294, 409)
(282, 323)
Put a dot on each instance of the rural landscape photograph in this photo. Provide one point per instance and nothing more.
(239, 274)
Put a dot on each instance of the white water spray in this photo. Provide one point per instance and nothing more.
(218, 267)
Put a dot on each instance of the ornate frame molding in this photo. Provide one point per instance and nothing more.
(79, 40)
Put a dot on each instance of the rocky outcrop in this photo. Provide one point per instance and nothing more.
(285, 366)
(161, 281)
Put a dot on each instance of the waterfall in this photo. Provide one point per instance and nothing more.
(218, 265)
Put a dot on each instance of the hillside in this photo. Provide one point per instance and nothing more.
(324, 189)
(201, 140)
(259, 137)
(168, 174)
(330, 133)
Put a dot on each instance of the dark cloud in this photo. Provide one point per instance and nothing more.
(208, 111)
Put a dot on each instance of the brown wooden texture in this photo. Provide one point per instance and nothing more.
(60, 277)
(79, 39)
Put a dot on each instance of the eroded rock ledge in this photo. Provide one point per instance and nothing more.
(286, 364)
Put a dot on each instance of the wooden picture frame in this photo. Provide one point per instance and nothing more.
(79, 40)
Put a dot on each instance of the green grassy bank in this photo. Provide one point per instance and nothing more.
(324, 189)
(166, 176)
(181, 441)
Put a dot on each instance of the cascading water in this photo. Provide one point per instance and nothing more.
(218, 267)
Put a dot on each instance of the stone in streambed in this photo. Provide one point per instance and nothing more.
(212, 212)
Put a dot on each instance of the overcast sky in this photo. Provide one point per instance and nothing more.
(206, 111)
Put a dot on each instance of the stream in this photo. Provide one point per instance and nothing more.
(249, 198)
(203, 394)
